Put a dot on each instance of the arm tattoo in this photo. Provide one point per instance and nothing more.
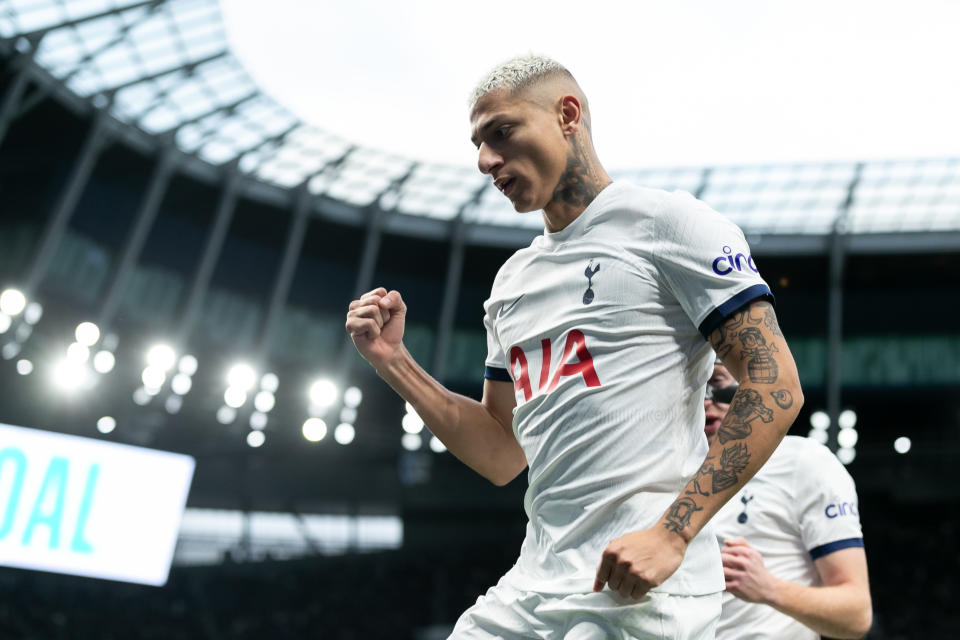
(783, 398)
(761, 367)
(733, 461)
(745, 325)
(747, 406)
(679, 514)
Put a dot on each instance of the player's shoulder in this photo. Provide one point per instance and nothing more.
(807, 454)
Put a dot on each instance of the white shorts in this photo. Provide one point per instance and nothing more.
(507, 614)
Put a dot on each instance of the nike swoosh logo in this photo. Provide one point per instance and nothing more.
(505, 309)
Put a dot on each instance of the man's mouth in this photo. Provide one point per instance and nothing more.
(505, 185)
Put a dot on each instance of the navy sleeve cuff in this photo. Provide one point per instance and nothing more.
(498, 374)
(724, 311)
(830, 547)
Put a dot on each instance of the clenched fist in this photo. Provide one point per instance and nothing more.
(376, 322)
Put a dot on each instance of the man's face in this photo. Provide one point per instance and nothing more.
(521, 145)
(716, 411)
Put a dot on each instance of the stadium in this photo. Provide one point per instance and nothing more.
(177, 253)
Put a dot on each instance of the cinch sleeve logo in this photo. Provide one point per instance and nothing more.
(722, 265)
(841, 509)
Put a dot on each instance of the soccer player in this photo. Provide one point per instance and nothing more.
(792, 547)
(599, 349)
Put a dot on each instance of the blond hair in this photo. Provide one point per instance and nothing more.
(517, 74)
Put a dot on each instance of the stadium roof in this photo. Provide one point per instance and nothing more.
(166, 68)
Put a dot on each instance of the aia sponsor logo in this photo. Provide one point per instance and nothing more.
(575, 349)
(722, 265)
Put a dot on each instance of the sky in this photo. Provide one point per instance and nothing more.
(670, 84)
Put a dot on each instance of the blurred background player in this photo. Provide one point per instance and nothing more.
(792, 547)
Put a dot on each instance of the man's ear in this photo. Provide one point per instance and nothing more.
(571, 115)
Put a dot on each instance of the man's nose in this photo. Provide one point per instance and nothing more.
(488, 159)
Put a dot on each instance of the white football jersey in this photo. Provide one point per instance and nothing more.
(801, 505)
(601, 328)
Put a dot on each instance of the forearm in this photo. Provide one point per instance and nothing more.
(465, 426)
(746, 438)
(839, 611)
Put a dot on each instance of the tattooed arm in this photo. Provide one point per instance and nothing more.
(753, 349)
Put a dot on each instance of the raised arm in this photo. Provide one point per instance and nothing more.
(752, 347)
(479, 433)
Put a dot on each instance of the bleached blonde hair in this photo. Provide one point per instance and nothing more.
(517, 74)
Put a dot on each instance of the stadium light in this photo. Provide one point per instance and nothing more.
(141, 397)
(77, 352)
(106, 424)
(226, 415)
(70, 376)
(314, 429)
(242, 376)
(270, 382)
(234, 397)
(323, 393)
(819, 420)
(153, 377)
(173, 404)
(902, 444)
(162, 357)
(344, 433)
(847, 419)
(847, 437)
(10, 350)
(5, 322)
(24, 367)
(181, 384)
(846, 454)
(412, 423)
(264, 401)
(411, 441)
(87, 334)
(255, 439)
(258, 420)
(104, 361)
(436, 446)
(819, 435)
(33, 313)
(12, 301)
(352, 397)
(187, 365)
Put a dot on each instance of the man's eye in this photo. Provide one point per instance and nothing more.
(502, 131)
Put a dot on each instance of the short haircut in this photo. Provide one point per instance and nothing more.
(517, 74)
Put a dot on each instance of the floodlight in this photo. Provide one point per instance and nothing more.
(77, 352)
(819, 420)
(161, 356)
(188, 365)
(352, 397)
(258, 420)
(5, 322)
(141, 397)
(847, 419)
(24, 367)
(412, 423)
(181, 384)
(255, 438)
(323, 393)
(314, 429)
(173, 404)
(234, 397)
(242, 376)
(70, 376)
(411, 441)
(104, 361)
(12, 302)
(87, 333)
(847, 438)
(819, 435)
(846, 454)
(153, 377)
(344, 433)
(33, 313)
(902, 444)
(10, 350)
(226, 415)
(264, 401)
(436, 446)
(269, 382)
(106, 424)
